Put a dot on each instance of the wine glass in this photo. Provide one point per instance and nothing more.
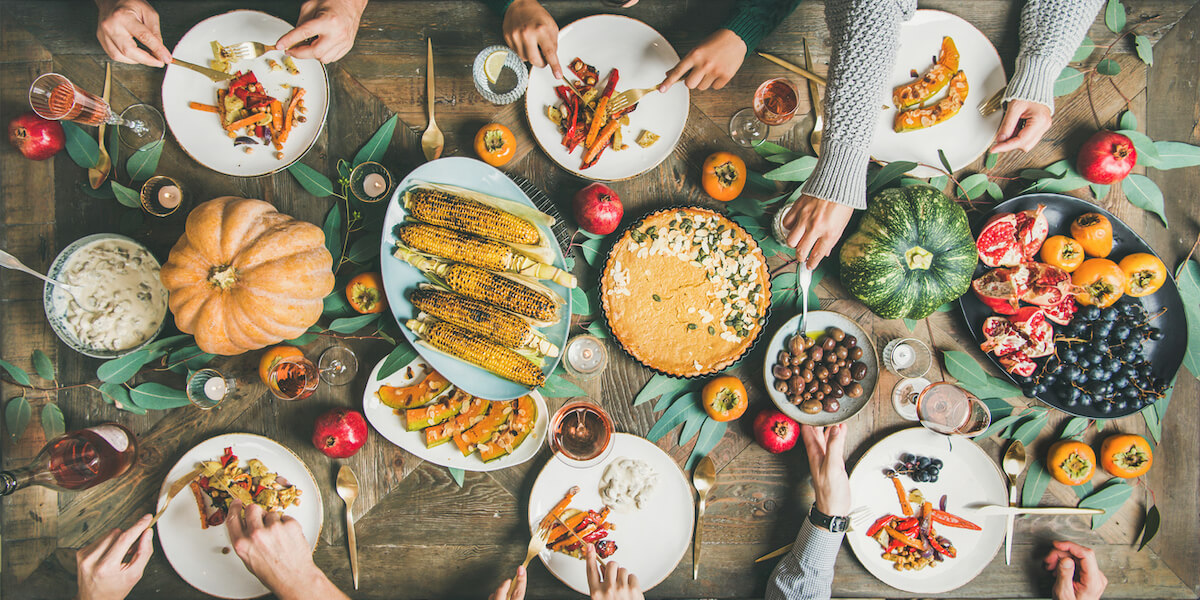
(581, 434)
(775, 102)
(293, 378)
(950, 410)
(54, 97)
(338, 365)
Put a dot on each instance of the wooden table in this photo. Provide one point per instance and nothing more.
(420, 534)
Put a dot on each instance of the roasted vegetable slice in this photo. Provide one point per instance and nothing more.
(932, 81)
(416, 419)
(474, 410)
(920, 118)
(485, 430)
(415, 395)
(519, 427)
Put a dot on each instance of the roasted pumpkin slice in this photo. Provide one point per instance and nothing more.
(932, 81)
(416, 419)
(486, 429)
(920, 118)
(415, 395)
(473, 412)
(519, 427)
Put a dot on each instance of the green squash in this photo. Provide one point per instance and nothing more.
(913, 252)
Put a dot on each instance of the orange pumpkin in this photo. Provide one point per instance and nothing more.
(1126, 455)
(1071, 462)
(244, 276)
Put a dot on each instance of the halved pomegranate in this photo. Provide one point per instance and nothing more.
(1048, 284)
(997, 242)
(1063, 312)
(1018, 364)
(1031, 323)
(1001, 289)
(1032, 229)
(1001, 337)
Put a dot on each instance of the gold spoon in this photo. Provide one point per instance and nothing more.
(347, 488)
(433, 140)
(98, 173)
(814, 95)
(703, 479)
(1014, 464)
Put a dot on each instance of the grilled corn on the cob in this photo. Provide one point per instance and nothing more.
(487, 320)
(445, 209)
(464, 345)
(485, 286)
(477, 251)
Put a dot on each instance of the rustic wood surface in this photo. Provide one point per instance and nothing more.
(419, 534)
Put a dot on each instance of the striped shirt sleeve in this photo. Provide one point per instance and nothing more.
(806, 573)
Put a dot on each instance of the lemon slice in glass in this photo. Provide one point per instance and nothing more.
(493, 64)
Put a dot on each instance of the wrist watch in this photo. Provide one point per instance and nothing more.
(824, 521)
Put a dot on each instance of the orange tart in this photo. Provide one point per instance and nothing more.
(686, 291)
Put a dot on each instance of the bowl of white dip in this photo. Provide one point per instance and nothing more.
(126, 301)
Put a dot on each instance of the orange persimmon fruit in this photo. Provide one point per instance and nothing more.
(1071, 462)
(1102, 282)
(365, 293)
(1126, 455)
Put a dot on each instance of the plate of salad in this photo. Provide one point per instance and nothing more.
(602, 56)
(259, 122)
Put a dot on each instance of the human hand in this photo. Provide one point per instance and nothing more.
(103, 572)
(711, 64)
(124, 23)
(1033, 120)
(511, 589)
(826, 447)
(274, 549)
(333, 22)
(816, 225)
(1077, 574)
(532, 32)
(617, 583)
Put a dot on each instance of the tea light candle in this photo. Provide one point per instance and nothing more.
(585, 354)
(169, 196)
(215, 388)
(374, 185)
(903, 356)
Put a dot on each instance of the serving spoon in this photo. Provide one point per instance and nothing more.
(9, 261)
(432, 140)
(1014, 464)
(703, 478)
(347, 488)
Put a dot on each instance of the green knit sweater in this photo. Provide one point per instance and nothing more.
(752, 20)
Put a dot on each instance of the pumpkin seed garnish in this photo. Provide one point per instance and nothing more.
(637, 235)
(657, 298)
(712, 330)
(691, 325)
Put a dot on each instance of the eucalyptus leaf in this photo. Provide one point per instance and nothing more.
(365, 249)
(54, 423)
(657, 386)
(1075, 426)
(126, 196)
(990, 160)
(120, 370)
(744, 205)
(767, 149)
(352, 324)
(692, 426)
(1085, 50)
(591, 249)
(1147, 152)
(710, 435)
(377, 146)
(16, 417)
(118, 395)
(939, 181)
(1035, 174)
(1114, 16)
(1187, 278)
(1145, 50)
(911, 324)
(1149, 526)
(104, 193)
(597, 329)
(336, 305)
(1144, 194)
(156, 396)
(43, 366)
(1029, 430)
(114, 149)
(994, 191)
(797, 170)
(667, 400)
(333, 233)
(1000, 424)
(557, 386)
(84, 150)
(311, 180)
(974, 185)
(1153, 424)
(785, 157)
(1099, 190)
(973, 378)
(1037, 479)
(1108, 498)
(1069, 80)
(456, 474)
(343, 169)
(1173, 155)
(144, 162)
(401, 355)
(167, 342)
(677, 413)
(1065, 183)
(581, 304)
(945, 162)
(760, 182)
(1108, 67)
(1128, 120)
(999, 407)
(886, 175)
(312, 333)
(1083, 490)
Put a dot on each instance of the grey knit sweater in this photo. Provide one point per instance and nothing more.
(866, 35)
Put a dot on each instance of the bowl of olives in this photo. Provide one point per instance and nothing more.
(824, 374)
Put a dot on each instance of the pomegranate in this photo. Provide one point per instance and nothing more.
(1018, 364)
(35, 137)
(1031, 323)
(1001, 336)
(997, 243)
(1032, 229)
(1001, 289)
(1106, 158)
(340, 433)
(1048, 285)
(775, 431)
(1063, 312)
(598, 209)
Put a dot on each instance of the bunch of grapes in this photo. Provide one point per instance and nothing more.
(921, 469)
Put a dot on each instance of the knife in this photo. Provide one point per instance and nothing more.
(993, 509)
(805, 73)
(174, 490)
(578, 539)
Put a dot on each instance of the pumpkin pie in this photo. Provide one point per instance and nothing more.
(685, 291)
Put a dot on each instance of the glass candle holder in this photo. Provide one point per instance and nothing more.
(907, 357)
(500, 78)
(585, 356)
(370, 182)
(904, 397)
(161, 195)
(207, 388)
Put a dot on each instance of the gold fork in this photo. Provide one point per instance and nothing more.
(246, 50)
(627, 98)
(536, 543)
(174, 490)
(993, 104)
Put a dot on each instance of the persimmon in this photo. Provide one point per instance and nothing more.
(1126, 455)
(273, 356)
(365, 293)
(1062, 252)
(724, 398)
(1144, 274)
(1094, 232)
(1071, 462)
(495, 144)
(723, 176)
(1102, 282)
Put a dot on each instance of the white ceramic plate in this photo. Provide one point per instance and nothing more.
(820, 320)
(400, 278)
(968, 477)
(965, 136)
(642, 56)
(650, 541)
(389, 425)
(200, 133)
(197, 554)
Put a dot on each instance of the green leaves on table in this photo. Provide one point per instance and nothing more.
(591, 248)
(18, 376)
(581, 302)
(1108, 67)
(1069, 80)
(401, 355)
(1058, 177)
(557, 386)
(1109, 499)
(597, 329)
(1144, 194)
(1086, 47)
(1037, 479)
(1145, 50)
(1029, 429)
(353, 324)
(768, 149)
(684, 410)
(156, 396)
(126, 196)
(456, 474)
(660, 385)
(1154, 413)
(1114, 16)
(42, 364)
(377, 146)
(795, 171)
(120, 370)
(1128, 120)
(711, 434)
(1187, 278)
(976, 185)
(84, 150)
(888, 174)
(974, 379)
(764, 236)
(311, 180)
(1173, 155)
(16, 417)
(681, 409)
(54, 423)
(333, 233)
(144, 161)
(311, 334)
(1149, 526)
(1075, 427)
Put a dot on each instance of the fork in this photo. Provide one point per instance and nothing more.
(246, 50)
(993, 104)
(536, 543)
(627, 98)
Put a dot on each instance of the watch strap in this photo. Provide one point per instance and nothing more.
(833, 524)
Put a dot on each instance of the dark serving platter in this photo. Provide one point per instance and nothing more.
(1166, 355)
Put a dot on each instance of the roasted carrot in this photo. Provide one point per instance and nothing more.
(254, 119)
(904, 539)
(588, 529)
(204, 107)
(552, 516)
(221, 105)
(276, 117)
(558, 530)
(297, 93)
(593, 151)
(903, 495)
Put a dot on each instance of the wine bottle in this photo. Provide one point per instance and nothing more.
(76, 460)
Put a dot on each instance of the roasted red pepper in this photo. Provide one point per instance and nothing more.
(904, 539)
(228, 457)
(948, 550)
(605, 548)
(877, 525)
(595, 536)
(950, 520)
(571, 138)
(894, 545)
